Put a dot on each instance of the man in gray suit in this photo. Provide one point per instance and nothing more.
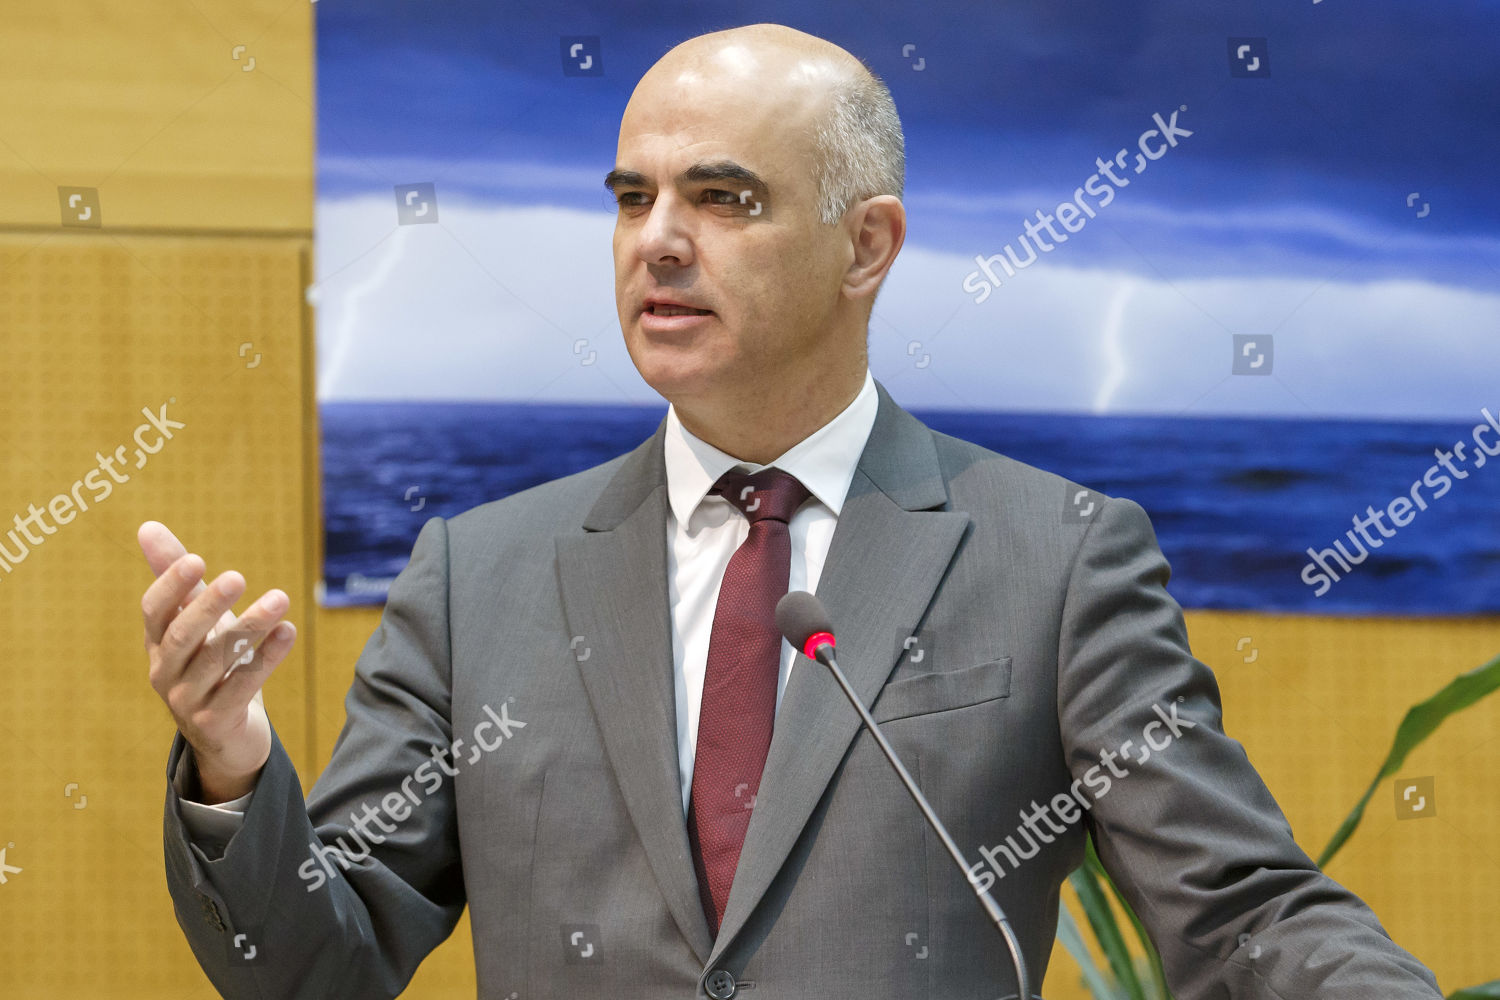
(564, 719)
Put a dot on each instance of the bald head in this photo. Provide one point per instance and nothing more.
(820, 96)
(775, 47)
(779, 65)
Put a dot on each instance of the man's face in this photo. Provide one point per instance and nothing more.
(717, 209)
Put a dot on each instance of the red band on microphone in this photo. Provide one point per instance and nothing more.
(814, 641)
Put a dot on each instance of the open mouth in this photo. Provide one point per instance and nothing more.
(666, 310)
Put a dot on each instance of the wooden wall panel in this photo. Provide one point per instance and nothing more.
(203, 173)
(148, 103)
(99, 331)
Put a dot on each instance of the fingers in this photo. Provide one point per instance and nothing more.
(229, 650)
(171, 590)
(246, 678)
(199, 649)
(185, 633)
(163, 551)
(159, 545)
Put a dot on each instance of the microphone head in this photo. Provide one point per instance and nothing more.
(801, 617)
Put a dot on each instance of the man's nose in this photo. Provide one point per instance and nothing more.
(665, 236)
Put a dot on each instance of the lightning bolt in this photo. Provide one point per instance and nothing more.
(1109, 343)
(341, 342)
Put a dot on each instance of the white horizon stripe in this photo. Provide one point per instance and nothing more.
(1053, 338)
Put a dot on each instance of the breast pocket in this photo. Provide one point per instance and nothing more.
(943, 691)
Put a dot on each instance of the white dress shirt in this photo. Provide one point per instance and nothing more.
(702, 533)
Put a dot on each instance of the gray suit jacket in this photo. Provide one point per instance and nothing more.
(1044, 639)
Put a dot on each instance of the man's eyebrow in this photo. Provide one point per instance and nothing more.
(624, 178)
(723, 170)
(719, 170)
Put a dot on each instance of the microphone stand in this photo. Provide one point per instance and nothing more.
(824, 655)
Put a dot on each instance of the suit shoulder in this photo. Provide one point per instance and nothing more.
(1040, 521)
(1041, 504)
(557, 502)
(971, 467)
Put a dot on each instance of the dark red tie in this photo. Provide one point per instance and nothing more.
(739, 684)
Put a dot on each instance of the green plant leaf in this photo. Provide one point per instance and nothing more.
(1420, 722)
(1106, 931)
(1488, 990)
(1072, 940)
(1158, 975)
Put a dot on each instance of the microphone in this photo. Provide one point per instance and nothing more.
(804, 622)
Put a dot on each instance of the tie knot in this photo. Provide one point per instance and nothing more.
(769, 493)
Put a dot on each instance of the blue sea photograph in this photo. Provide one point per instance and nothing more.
(1282, 323)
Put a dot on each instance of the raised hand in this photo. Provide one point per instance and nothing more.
(209, 665)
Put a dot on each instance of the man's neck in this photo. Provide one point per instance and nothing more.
(760, 429)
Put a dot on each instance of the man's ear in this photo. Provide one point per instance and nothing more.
(877, 228)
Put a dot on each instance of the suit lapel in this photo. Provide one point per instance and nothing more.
(614, 587)
(888, 553)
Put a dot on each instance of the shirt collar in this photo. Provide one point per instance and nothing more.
(824, 461)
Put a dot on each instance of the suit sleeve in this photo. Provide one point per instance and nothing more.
(210, 827)
(1181, 820)
(344, 894)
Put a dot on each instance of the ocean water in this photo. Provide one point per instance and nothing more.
(1235, 502)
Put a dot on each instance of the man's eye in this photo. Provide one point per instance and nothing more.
(719, 197)
(630, 199)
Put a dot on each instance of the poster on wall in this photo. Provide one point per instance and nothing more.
(1242, 268)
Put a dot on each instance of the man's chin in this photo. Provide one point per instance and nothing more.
(679, 379)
